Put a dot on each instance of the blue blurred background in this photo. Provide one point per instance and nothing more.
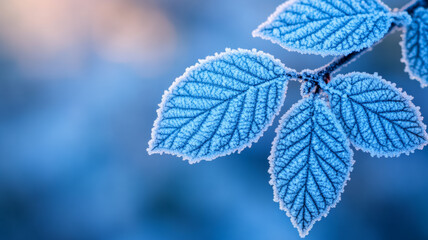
(80, 81)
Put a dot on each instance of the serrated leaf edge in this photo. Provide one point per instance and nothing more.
(176, 83)
(406, 63)
(281, 8)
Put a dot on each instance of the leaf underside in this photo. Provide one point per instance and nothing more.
(310, 162)
(220, 106)
(415, 46)
(327, 27)
(377, 117)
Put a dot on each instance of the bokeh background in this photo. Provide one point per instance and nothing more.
(80, 81)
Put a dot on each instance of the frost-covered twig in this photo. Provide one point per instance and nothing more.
(226, 102)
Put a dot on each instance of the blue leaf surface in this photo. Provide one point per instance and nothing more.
(310, 162)
(377, 117)
(415, 47)
(221, 105)
(328, 27)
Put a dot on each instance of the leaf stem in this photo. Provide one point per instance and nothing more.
(339, 62)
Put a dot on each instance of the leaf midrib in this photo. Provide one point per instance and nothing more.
(276, 79)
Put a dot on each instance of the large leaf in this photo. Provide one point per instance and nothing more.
(221, 105)
(415, 47)
(310, 162)
(327, 27)
(377, 116)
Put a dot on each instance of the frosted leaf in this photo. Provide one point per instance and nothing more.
(415, 47)
(310, 162)
(377, 117)
(328, 27)
(221, 105)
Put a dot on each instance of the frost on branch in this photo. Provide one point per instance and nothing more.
(226, 102)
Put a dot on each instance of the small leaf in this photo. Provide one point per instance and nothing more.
(310, 162)
(327, 27)
(415, 47)
(221, 105)
(377, 117)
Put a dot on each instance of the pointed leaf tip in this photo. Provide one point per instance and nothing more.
(310, 162)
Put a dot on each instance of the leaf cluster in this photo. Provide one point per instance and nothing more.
(226, 102)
